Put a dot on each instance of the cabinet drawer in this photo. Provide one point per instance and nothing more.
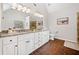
(10, 40)
(25, 37)
(35, 46)
(0, 46)
(36, 38)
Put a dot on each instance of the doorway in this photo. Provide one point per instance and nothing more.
(78, 27)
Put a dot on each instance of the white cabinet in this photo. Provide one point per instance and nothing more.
(40, 38)
(25, 44)
(0, 46)
(45, 37)
(10, 45)
(36, 40)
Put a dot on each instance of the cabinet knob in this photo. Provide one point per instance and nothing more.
(27, 41)
(10, 40)
(16, 45)
(39, 40)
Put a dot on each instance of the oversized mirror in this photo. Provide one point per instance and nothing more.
(20, 17)
(14, 18)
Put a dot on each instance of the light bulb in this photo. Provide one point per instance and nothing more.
(28, 11)
(24, 9)
(19, 7)
(38, 15)
(41, 16)
(14, 6)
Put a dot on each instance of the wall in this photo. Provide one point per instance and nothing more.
(0, 15)
(65, 32)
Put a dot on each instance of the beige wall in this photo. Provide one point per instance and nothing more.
(0, 15)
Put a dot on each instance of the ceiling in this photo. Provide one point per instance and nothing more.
(48, 7)
(60, 6)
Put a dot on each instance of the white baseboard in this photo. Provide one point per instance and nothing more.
(52, 39)
(72, 45)
(67, 39)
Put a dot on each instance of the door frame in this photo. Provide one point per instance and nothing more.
(77, 26)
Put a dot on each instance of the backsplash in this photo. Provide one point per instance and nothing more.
(18, 24)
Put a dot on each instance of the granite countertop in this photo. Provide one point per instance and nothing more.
(18, 33)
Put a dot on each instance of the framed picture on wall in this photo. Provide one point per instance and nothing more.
(63, 21)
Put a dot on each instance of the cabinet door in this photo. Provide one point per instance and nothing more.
(10, 45)
(0, 46)
(40, 39)
(10, 49)
(36, 37)
(25, 47)
(45, 37)
(9, 40)
(37, 40)
(25, 44)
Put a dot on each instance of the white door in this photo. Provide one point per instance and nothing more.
(25, 44)
(10, 45)
(0, 46)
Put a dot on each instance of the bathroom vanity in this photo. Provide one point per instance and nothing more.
(22, 43)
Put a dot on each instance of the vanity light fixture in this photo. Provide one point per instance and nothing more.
(28, 10)
(38, 15)
(24, 9)
(19, 7)
(14, 6)
(41, 16)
